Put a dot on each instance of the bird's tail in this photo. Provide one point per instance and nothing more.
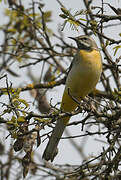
(67, 105)
(51, 148)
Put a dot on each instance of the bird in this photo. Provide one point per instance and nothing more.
(84, 73)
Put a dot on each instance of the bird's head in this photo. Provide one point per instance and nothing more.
(85, 42)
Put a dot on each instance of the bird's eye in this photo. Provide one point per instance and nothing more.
(84, 38)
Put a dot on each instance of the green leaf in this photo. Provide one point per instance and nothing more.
(12, 30)
(21, 119)
(107, 43)
(116, 49)
(63, 16)
(65, 11)
(40, 120)
(117, 93)
(82, 19)
(23, 102)
(47, 16)
(13, 119)
(74, 24)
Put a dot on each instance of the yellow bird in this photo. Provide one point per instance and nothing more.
(82, 78)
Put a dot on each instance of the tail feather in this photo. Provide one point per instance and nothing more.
(68, 105)
(51, 148)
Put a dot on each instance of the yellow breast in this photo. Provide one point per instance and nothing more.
(91, 58)
(82, 78)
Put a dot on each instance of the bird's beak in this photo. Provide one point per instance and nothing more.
(73, 38)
